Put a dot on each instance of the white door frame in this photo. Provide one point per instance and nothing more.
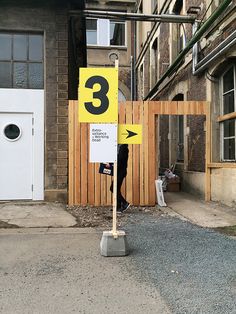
(29, 101)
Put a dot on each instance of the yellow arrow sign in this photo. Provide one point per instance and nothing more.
(98, 95)
(130, 133)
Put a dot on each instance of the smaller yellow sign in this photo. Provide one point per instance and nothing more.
(130, 134)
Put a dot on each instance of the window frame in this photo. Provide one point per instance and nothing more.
(106, 35)
(227, 117)
(27, 61)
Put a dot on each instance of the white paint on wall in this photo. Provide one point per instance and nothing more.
(26, 101)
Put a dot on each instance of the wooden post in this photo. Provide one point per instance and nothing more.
(114, 222)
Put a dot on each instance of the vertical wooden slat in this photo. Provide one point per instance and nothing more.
(122, 120)
(71, 197)
(141, 164)
(77, 173)
(103, 190)
(136, 156)
(84, 164)
(97, 198)
(146, 151)
(129, 178)
(91, 180)
(152, 151)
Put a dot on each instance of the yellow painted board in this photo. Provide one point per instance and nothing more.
(98, 95)
(130, 134)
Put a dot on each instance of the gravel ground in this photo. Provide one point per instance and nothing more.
(193, 268)
(101, 217)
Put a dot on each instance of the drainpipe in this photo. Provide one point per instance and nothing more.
(196, 37)
(229, 42)
(132, 78)
(134, 62)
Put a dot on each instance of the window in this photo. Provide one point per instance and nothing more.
(117, 34)
(153, 5)
(121, 96)
(178, 34)
(180, 150)
(103, 32)
(21, 61)
(228, 106)
(154, 63)
(91, 31)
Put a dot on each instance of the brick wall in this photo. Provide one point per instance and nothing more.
(53, 23)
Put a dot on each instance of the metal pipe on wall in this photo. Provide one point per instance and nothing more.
(196, 37)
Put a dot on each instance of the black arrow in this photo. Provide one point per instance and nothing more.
(130, 133)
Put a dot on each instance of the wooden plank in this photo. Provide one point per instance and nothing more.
(122, 120)
(141, 164)
(71, 196)
(228, 116)
(146, 152)
(91, 181)
(136, 156)
(77, 155)
(103, 190)
(152, 151)
(129, 178)
(109, 194)
(97, 182)
(179, 108)
(84, 164)
(77, 147)
(222, 165)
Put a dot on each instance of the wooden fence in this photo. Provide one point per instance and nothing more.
(87, 186)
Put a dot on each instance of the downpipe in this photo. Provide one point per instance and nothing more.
(223, 47)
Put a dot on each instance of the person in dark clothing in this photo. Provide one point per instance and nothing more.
(122, 161)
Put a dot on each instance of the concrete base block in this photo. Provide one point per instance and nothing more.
(111, 246)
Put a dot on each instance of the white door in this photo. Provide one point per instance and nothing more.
(16, 156)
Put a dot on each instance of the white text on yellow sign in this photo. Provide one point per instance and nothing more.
(98, 95)
(130, 133)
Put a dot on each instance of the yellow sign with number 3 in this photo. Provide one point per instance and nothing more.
(98, 95)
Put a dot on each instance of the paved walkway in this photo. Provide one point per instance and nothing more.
(36, 214)
(186, 206)
(199, 212)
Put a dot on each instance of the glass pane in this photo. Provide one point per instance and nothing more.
(121, 96)
(20, 47)
(5, 75)
(36, 75)
(91, 24)
(5, 47)
(229, 149)
(228, 101)
(117, 34)
(35, 48)
(20, 75)
(91, 37)
(228, 80)
(12, 131)
(229, 128)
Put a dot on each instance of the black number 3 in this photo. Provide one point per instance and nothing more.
(101, 95)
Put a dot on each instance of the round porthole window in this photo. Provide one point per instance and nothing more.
(12, 132)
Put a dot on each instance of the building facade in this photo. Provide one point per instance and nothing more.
(42, 46)
(170, 67)
(109, 39)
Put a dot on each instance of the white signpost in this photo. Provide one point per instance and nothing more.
(98, 103)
